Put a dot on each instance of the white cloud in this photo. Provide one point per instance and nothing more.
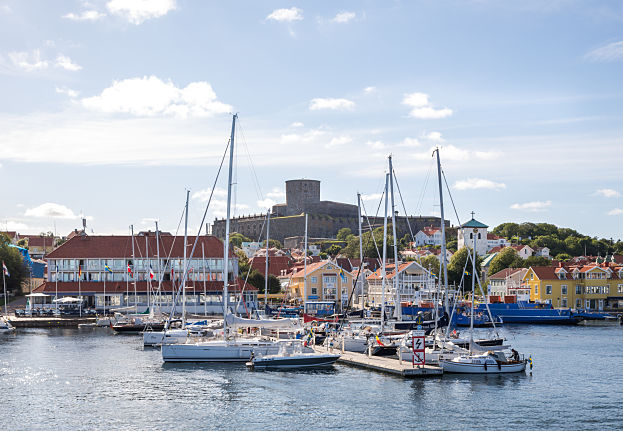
(608, 193)
(312, 136)
(422, 108)
(218, 208)
(369, 90)
(150, 96)
(65, 62)
(12, 225)
(149, 221)
(68, 91)
(410, 142)
(286, 15)
(371, 197)
(296, 124)
(534, 206)
(376, 145)
(611, 52)
(343, 17)
(454, 153)
(265, 203)
(614, 212)
(339, 141)
(330, 103)
(138, 11)
(87, 15)
(434, 136)
(28, 61)
(51, 210)
(204, 195)
(478, 183)
(276, 193)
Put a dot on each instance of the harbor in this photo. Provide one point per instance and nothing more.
(76, 379)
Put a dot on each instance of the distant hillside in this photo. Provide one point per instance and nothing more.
(559, 240)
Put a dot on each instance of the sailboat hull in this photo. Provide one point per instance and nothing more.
(459, 367)
(218, 351)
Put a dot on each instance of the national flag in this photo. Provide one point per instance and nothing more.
(5, 270)
(79, 271)
(107, 268)
(466, 272)
(151, 274)
(130, 271)
(342, 274)
(378, 340)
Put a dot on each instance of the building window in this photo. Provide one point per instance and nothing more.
(578, 289)
(536, 289)
(548, 290)
(314, 291)
(563, 290)
(314, 280)
(564, 302)
(620, 288)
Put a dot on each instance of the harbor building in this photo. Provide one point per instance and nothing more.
(326, 281)
(325, 218)
(415, 284)
(508, 284)
(102, 270)
(586, 286)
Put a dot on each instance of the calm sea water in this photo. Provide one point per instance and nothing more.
(66, 379)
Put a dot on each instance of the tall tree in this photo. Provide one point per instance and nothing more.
(506, 258)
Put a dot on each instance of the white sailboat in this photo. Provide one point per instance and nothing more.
(228, 348)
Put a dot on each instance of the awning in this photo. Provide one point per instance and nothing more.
(37, 295)
(67, 299)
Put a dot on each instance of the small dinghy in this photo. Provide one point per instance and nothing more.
(292, 355)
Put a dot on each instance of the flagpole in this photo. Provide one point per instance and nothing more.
(104, 295)
(80, 288)
(56, 287)
(205, 302)
(133, 273)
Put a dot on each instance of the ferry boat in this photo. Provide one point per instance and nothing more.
(529, 312)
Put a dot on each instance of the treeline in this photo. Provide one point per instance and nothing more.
(563, 243)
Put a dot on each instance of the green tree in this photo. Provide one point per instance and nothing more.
(237, 239)
(273, 243)
(535, 261)
(343, 233)
(431, 263)
(351, 249)
(14, 261)
(256, 279)
(452, 245)
(506, 258)
(243, 263)
(563, 257)
(23, 243)
(456, 267)
(334, 250)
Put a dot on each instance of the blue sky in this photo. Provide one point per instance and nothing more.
(112, 109)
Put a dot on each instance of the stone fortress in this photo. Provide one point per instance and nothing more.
(324, 220)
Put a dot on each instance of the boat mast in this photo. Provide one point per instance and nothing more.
(226, 245)
(266, 261)
(361, 267)
(443, 238)
(148, 276)
(203, 261)
(397, 308)
(133, 273)
(158, 265)
(471, 321)
(185, 276)
(384, 273)
(305, 269)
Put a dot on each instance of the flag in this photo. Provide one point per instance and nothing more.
(151, 274)
(466, 272)
(79, 271)
(130, 271)
(107, 268)
(342, 276)
(5, 270)
(379, 341)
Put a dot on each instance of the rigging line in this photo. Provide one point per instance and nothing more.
(363, 207)
(420, 202)
(205, 213)
(258, 188)
(404, 207)
(443, 174)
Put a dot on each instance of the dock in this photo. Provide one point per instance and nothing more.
(49, 322)
(384, 364)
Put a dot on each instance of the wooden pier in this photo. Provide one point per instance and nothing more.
(384, 364)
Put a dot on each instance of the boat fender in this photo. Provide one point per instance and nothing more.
(485, 366)
(499, 365)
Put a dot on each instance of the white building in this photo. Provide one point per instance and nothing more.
(508, 282)
(414, 282)
(495, 241)
(470, 231)
(428, 236)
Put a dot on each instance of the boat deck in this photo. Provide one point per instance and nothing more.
(48, 322)
(383, 364)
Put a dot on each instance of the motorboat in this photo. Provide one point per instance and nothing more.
(292, 355)
(219, 350)
(5, 326)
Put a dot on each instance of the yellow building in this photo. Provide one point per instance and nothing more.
(593, 287)
(326, 281)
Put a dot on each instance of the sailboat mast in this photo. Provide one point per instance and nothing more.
(384, 273)
(471, 321)
(203, 262)
(226, 245)
(159, 279)
(185, 275)
(443, 254)
(397, 308)
(266, 261)
(148, 275)
(133, 273)
(305, 269)
(361, 267)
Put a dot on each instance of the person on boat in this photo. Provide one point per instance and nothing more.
(515, 355)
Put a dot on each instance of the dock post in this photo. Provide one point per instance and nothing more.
(399, 355)
(369, 350)
(342, 344)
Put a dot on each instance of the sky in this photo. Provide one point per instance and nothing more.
(113, 109)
